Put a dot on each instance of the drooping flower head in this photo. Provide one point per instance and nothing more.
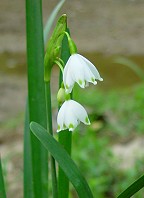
(79, 69)
(70, 115)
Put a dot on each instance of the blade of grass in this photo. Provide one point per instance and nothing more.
(36, 94)
(131, 64)
(133, 188)
(51, 20)
(65, 136)
(2, 185)
(63, 159)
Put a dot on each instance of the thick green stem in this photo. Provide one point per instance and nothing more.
(64, 136)
(50, 129)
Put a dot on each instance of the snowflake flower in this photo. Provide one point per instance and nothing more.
(79, 69)
(70, 115)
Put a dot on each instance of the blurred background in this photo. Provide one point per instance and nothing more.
(111, 35)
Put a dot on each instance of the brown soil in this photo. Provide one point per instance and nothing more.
(97, 25)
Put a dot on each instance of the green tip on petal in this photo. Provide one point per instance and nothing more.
(67, 87)
(92, 79)
(64, 126)
(58, 128)
(87, 120)
(80, 82)
(71, 127)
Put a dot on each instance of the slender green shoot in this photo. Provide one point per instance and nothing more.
(133, 188)
(2, 185)
(131, 64)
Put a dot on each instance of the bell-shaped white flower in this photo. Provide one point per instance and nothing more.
(70, 115)
(79, 69)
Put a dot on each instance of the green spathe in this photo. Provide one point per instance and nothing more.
(54, 46)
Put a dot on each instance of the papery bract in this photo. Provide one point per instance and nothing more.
(70, 115)
(79, 69)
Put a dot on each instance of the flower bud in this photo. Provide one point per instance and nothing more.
(61, 95)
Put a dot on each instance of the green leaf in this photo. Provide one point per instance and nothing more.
(2, 186)
(133, 188)
(51, 20)
(36, 94)
(63, 159)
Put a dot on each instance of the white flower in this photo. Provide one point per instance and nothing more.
(70, 115)
(79, 69)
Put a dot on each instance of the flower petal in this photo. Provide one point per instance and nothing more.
(61, 117)
(67, 77)
(77, 71)
(89, 76)
(79, 112)
(91, 67)
(70, 120)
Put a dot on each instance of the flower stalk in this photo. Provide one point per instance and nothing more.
(64, 137)
(71, 113)
(72, 45)
(50, 129)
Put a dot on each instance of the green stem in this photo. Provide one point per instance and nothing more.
(72, 45)
(50, 129)
(65, 136)
(60, 65)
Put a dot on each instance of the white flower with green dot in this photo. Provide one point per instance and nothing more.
(70, 115)
(78, 69)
